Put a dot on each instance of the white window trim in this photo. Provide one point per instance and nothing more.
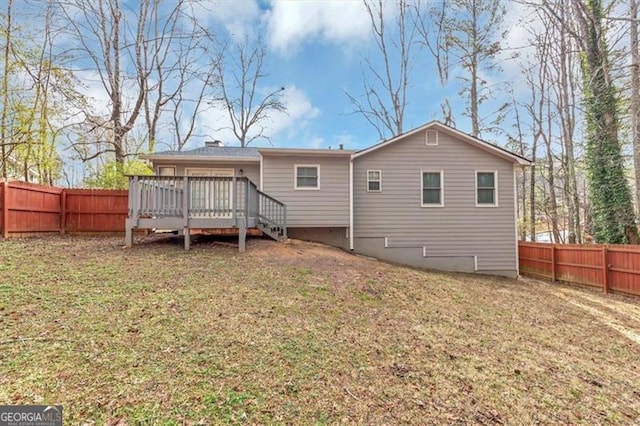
(295, 177)
(422, 204)
(380, 180)
(495, 182)
(426, 138)
(167, 167)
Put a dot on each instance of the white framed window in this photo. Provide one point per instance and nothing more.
(486, 188)
(374, 180)
(431, 137)
(306, 176)
(432, 188)
(166, 171)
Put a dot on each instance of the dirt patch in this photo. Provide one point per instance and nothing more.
(301, 333)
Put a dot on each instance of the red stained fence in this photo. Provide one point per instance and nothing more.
(29, 208)
(610, 267)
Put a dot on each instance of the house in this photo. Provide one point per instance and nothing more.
(433, 197)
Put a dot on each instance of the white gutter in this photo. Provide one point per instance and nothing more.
(351, 202)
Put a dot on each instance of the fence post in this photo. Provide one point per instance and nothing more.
(605, 269)
(553, 263)
(5, 210)
(63, 211)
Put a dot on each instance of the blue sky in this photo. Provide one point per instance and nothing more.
(315, 51)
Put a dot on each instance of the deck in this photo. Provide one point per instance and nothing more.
(183, 203)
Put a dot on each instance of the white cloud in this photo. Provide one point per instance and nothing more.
(238, 17)
(291, 23)
(300, 111)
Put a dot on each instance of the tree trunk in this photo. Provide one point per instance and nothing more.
(635, 96)
(5, 94)
(474, 104)
(613, 213)
(567, 120)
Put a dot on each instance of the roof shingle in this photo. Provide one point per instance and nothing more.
(213, 151)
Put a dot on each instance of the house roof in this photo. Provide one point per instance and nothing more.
(471, 140)
(220, 153)
(305, 151)
(229, 153)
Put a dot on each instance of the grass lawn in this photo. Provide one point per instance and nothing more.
(304, 334)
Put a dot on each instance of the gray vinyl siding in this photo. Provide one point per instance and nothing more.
(459, 228)
(328, 206)
(250, 170)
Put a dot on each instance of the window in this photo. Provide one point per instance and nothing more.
(431, 137)
(307, 176)
(374, 181)
(486, 189)
(166, 171)
(432, 189)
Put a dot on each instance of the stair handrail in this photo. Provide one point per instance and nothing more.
(273, 212)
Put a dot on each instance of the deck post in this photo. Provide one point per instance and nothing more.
(187, 238)
(242, 239)
(135, 200)
(186, 194)
(284, 223)
(234, 197)
(246, 203)
(128, 235)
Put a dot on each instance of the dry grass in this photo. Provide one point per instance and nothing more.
(302, 334)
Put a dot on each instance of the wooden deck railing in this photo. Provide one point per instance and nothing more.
(206, 197)
(209, 200)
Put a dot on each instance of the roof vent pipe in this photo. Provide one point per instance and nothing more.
(341, 147)
(215, 143)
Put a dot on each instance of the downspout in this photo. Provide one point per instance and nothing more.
(351, 202)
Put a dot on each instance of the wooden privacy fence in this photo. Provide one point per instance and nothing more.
(610, 267)
(27, 208)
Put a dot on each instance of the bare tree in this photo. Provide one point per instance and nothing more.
(247, 104)
(106, 34)
(565, 85)
(5, 92)
(464, 33)
(634, 97)
(179, 79)
(386, 86)
(521, 179)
